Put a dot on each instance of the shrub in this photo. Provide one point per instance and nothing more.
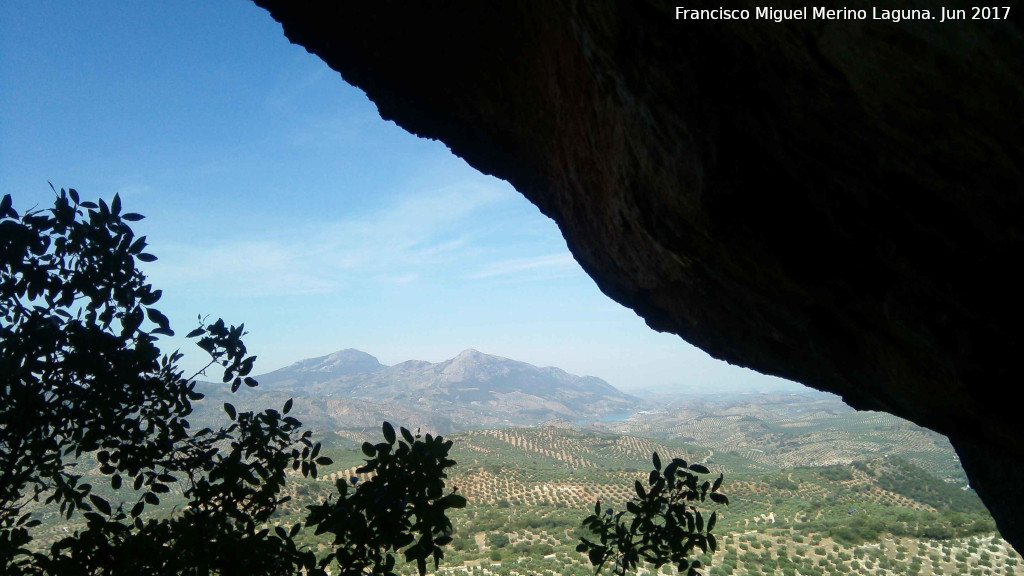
(660, 525)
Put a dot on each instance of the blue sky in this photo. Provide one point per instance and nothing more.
(275, 195)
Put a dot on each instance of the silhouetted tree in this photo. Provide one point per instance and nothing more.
(83, 382)
(660, 525)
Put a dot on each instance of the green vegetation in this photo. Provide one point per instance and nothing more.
(86, 393)
(872, 507)
(660, 525)
(798, 531)
(916, 484)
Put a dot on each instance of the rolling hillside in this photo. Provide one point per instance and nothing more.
(529, 488)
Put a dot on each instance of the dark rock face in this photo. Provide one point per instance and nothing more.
(836, 202)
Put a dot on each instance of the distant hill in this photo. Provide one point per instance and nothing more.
(312, 371)
(765, 431)
(352, 389)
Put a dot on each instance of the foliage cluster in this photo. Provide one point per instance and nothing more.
(402, 504)
(82, 379)
(660, 525)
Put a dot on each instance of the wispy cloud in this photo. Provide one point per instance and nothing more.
(550, 264)
(250, 267)
(404, 279)
(133, 191)
(420, 231)
(288, 91)
(397, 244)
(343, 122)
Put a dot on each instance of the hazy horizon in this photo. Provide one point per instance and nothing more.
(757, 384)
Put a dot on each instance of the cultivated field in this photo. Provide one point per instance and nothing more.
(529, 489)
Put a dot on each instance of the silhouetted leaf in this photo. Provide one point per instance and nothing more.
(100, 504)
(6, 210)
(157, 317)
(138, 245)
(456, 501)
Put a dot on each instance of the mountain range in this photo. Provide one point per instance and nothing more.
(352, 389)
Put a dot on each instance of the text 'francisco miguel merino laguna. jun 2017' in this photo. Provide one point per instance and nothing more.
(940, 14)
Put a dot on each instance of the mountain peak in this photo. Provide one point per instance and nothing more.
(471, 354)
(347, 361)
(340, 363)
(466, 364)
(349, 354)
(473, 388)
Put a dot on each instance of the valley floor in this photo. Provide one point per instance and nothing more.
(530, 488)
